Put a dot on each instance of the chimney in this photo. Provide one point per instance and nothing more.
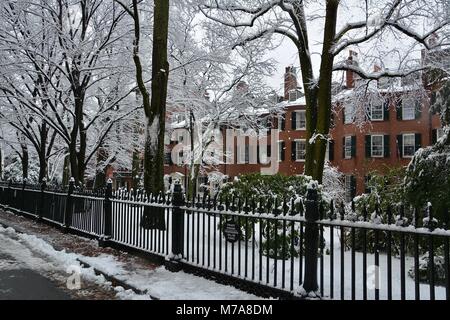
(290, 81)
(376, 68)
(350, 75)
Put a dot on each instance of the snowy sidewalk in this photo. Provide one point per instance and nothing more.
(67, 250)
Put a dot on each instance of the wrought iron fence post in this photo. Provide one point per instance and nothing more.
(69, 207)
(310, 284)
(107, 215)
(178, 201)
(9, 197)
(42, 199)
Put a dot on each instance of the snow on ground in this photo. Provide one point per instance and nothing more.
(39, 255)
(168, 285)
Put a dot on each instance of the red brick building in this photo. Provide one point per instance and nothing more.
(393, 130)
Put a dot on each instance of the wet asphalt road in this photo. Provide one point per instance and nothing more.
(19, 283)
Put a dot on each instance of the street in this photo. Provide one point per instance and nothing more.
(27, 273)
(18, 282)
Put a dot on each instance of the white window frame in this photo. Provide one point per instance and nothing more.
(295, 93)
(280, 121)
(297, 143)
(411, 107)
(297, 120)
(348, 147)
(279, 143)
(413, 135)
(349, 114)
(371, 146)
(372, 107)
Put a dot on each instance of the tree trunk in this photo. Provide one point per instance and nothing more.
(43, 152)
(66, 171)
(320, 117)
(155, 111)
(135, 170)
(154, 151)
(25, 161)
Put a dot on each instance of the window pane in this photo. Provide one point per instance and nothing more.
(348, 147)
(377, 112)
(409, 145)
(349, 112)
(377, 146)
(409, 110)
(301, 119)
(300, 150)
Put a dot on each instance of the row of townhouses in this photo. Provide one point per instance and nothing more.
(389, 135)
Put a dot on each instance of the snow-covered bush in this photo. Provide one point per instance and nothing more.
(428, 177)
(424, 267)
(271, 194)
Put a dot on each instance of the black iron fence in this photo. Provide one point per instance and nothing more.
(273, 246)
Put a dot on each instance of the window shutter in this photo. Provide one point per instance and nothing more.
(399, 110)
(331, 150)
(418, 111)
(368, 146)
(269, 150)
(257, 155)
(343, 115)
(283, 123)
(343, 148)
(353, 186)
(418, 141)
(353, 146)
(387, 149)
(293, 150)
(386, 110)
(400, 145)
(283, 146)
(294, 120)
(434, 136)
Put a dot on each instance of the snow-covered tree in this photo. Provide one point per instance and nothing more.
(336, 25)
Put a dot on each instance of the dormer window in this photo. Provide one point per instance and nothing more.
(294, 95)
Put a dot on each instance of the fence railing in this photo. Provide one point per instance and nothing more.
(303, 246)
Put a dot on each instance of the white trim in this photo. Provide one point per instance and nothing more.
(410, 104)
(297, 120)
(299, 140)
(382, 146)
(371, 112)
(345, 147)
(403, 144)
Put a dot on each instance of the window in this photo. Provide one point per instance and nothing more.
(349, 113)
(409, 145)
(439, 133)
(350, 187)
(300, 150)
(247, 154)
(348, 147)
(408, 110)
(281, 150)
(377, 146)
(281, 122)
(377, 112)
(300, 123)
(293, 95)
